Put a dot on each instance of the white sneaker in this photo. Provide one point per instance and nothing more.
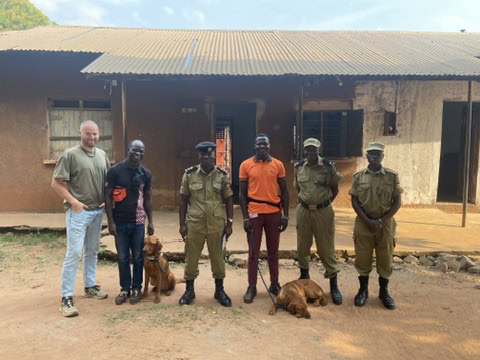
(95, 292)
(67, 308)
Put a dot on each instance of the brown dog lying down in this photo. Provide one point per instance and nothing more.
(157, 272)
(294, 295)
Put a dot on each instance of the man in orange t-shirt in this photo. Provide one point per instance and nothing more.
(261, 204)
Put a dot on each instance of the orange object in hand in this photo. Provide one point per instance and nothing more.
(119, 194)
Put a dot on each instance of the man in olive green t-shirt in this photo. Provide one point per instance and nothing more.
(79, 179)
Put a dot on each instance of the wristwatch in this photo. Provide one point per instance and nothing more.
(230, 220)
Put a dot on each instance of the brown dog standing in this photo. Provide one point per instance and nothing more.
(157, 272)
(294, 295)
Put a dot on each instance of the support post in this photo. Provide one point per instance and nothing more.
(466, 165)
(300, 121)
(124, 116)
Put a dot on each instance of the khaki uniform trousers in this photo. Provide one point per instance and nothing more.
(193, 249)
(382, 241)
(321, 224)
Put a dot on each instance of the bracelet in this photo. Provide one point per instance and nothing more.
(246, 219)
(285, 217)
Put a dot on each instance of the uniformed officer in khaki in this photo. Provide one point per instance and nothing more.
(376, 199)
(316, 180)
(204, 189)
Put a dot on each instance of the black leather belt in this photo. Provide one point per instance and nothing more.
(279, 205)
(314, 207)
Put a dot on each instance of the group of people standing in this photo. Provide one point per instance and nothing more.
(84, 180)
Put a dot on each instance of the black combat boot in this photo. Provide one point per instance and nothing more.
(250, 294)
(336, 295)
(189, 295)
(384, 295)
(362, 295)
(221, 295)
(304, 274)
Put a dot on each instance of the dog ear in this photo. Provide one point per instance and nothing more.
(158, 247)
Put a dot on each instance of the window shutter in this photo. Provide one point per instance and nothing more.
(65, 117)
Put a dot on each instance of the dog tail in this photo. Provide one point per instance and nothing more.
(180, 281)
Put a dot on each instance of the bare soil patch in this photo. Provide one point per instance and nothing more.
(437, 316)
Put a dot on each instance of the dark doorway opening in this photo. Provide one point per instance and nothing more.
(235, 123)
(452, 153)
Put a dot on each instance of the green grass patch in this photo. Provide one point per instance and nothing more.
(105, 262)
(114, 319)
(49, 240)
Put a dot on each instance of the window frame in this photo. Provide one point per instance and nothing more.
(50, 102)
(344, 152)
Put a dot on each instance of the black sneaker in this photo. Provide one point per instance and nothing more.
(67, 308)
(274, 289)
(136, 296)
(250, 294)
(122, 297)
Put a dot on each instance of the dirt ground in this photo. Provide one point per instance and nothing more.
(437, 316)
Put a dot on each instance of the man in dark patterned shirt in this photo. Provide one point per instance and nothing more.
(128, 198)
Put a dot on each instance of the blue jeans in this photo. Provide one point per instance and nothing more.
(130, 238)
(83, 236)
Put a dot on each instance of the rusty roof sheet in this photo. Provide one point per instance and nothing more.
(258, 52)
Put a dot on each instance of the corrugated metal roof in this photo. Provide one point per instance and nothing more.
(258, 52)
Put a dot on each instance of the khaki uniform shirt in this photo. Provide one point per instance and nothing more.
(376, 191)
(206, 213)
(313, 182)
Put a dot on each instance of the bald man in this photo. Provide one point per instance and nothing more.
(79, 179)
(128, 202)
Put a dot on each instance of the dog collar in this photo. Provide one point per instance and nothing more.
(157, 260)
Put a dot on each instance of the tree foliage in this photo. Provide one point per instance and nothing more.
(20, 15)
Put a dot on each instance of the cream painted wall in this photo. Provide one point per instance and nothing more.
(415, 151)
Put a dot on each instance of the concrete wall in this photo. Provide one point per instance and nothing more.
(415, 151)
(26, 81)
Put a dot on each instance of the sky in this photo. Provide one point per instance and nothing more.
(410, 15)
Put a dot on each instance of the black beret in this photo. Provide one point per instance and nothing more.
(205, 147)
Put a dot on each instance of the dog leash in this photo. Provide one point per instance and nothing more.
(250, 240)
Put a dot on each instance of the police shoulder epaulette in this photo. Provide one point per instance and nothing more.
(359, 172)
(300, 163)
(221, 170)
(191, 168)
(328, 162)
(391, 171)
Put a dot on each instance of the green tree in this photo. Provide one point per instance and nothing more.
(20, 15)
